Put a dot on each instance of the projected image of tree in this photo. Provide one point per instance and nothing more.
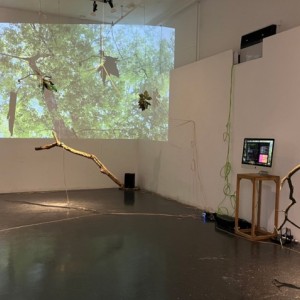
(83, 81)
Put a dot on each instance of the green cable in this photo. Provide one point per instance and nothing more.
(226, 169)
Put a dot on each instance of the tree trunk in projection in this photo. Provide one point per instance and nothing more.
(49, 97)
(51, 103)
(11, 115)
(57, 121)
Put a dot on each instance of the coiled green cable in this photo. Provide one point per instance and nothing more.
(227, 168)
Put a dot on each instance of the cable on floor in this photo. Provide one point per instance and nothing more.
(101, 214)
(54, 206)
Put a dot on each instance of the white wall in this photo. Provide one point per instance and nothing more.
(22, 16)
(265, 104)
(24, 169)
(209, 27)
(187, 167)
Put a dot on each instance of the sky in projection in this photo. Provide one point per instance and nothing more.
(84, 81)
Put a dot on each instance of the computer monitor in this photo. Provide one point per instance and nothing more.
(258, 154)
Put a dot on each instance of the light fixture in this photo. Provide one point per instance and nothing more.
(95, 5)
(110, 2)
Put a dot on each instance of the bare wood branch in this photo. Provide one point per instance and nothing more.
(288, 178)
(102, 167)
(290, 174)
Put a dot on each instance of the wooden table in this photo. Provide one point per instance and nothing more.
(255, 233)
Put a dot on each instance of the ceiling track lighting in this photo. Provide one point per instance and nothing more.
(109, 2)
(95, 6)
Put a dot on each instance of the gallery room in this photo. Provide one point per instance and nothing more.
(149, 149)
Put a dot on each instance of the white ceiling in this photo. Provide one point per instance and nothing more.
(152, 12)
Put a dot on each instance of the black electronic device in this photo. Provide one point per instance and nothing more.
(257, 36)
(251, 43)
(227, 223)
(129, 181)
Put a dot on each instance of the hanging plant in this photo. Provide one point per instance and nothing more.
(144, 100)
(46, 82)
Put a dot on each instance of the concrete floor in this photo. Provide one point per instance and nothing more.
(113, 244)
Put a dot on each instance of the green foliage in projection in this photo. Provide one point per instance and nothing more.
(97, 73)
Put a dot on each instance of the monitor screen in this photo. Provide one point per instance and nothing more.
(258, 152)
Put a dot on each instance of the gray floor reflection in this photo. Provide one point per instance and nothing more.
(80, 261)
(131, 247)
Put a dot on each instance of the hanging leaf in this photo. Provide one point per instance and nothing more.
(144, 100)
(108, 66)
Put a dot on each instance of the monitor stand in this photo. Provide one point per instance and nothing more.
(263, 173)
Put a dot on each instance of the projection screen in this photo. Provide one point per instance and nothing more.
(84, 81)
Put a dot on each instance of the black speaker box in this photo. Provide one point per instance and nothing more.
(129, 180)
(257, 36)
